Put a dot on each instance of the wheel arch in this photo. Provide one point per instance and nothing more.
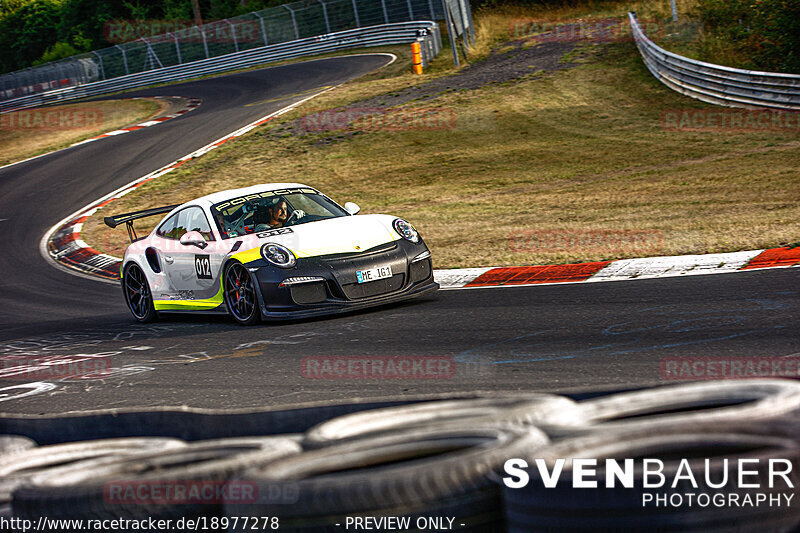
(225, 264)
(127, 264)
(124, 266)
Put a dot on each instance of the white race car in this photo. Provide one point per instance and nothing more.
(273, 251)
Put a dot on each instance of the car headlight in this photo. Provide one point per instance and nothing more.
(405, 230)
(278, 255)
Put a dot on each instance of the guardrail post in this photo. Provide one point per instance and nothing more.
(74, 73)
(205, 43)
(464, 23)
(124, 58)
(355, 12)
(468, 7)
(177, 48)
(385, 13)
(294, 21)
(263, 28)
(451, 31)
(325, 14)
(102, 70)
(151, 55)
(233, 33)
(674, 11)
(60, 67)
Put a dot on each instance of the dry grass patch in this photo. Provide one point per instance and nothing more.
(581, 150)
(32, 132)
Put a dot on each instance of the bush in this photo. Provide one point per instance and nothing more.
(768, 31)
(27, 32)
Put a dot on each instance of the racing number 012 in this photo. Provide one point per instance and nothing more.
(202, 265)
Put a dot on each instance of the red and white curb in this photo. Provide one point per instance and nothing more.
(621, 270)
(191, 104)
(62, 244)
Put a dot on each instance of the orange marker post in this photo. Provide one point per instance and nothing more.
(416, 57)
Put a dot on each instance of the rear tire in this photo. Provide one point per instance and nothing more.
(138, 295)
(240, 295)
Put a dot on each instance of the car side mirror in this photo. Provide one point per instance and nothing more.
(352, 208)
(194, 238)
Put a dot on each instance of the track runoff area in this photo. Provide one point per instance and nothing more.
(517, 386)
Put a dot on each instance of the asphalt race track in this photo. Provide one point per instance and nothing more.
(568, 338)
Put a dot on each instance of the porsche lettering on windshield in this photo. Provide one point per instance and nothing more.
(266, 194)
(270, 213)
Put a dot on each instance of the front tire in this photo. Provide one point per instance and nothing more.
(138, 295)
(240, 295)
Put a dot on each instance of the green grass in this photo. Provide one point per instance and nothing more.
(578, 150)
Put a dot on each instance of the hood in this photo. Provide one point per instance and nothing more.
(323, 237)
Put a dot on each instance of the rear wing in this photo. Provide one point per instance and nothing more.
(128, 218)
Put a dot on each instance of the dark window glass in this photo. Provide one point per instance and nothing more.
(167, 227)
(184, 221)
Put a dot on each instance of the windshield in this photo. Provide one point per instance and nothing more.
(268, 210)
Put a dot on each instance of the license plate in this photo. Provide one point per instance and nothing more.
(373, 274)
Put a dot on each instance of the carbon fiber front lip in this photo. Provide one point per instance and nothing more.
(325, 308)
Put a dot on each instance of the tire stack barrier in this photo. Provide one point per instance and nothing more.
(315, 465)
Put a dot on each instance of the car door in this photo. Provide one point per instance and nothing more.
(163, 242)
(193, 271)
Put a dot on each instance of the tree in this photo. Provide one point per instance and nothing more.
(27, 32)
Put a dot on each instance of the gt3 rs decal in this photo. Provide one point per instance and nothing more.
(273, 232)
(202, 267)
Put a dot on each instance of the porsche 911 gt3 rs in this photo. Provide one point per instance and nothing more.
(272, 251)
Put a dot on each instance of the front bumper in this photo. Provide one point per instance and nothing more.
(336, 288)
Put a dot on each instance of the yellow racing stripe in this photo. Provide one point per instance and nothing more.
(190, 305)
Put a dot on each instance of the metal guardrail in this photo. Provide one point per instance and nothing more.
(143, 45)
(427, 32)
(717, 84)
